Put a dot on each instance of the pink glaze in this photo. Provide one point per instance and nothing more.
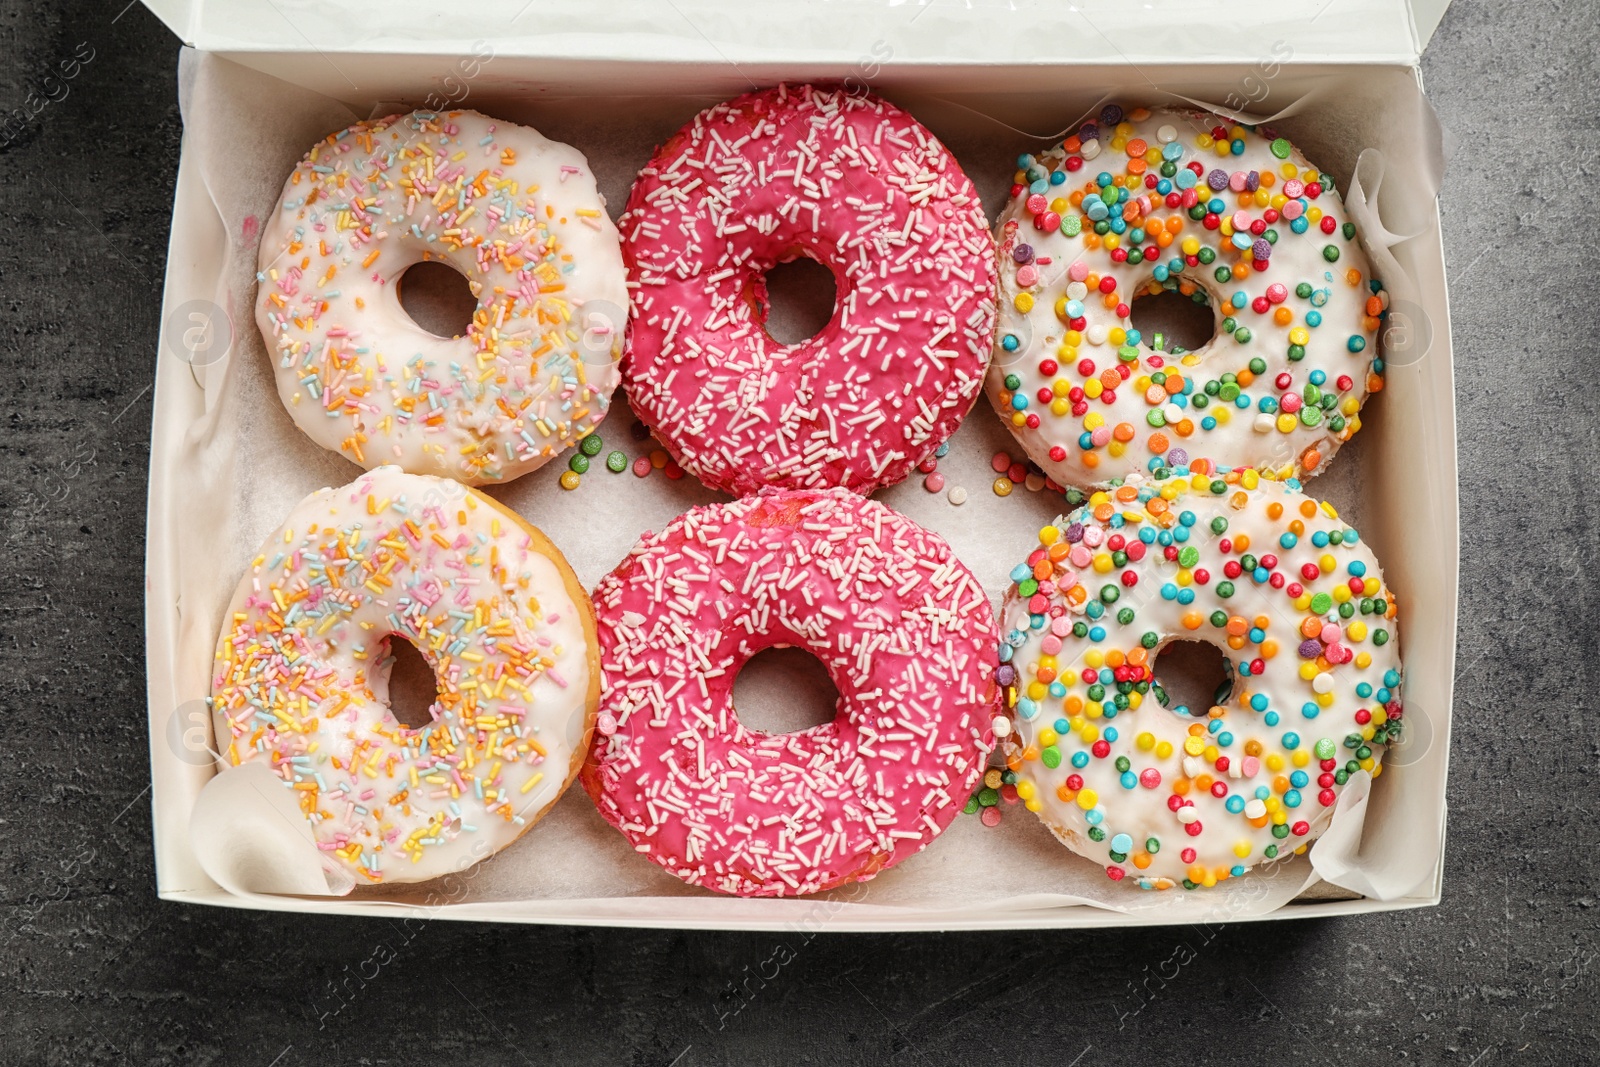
(905, 632)
(860, 186)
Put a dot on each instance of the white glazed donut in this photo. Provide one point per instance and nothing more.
(302, 673)
(1296, 603)
(519, 215)
(1188, 201)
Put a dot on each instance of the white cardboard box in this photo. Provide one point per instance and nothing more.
(1341, 74)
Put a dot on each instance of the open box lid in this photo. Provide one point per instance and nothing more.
(279, 36)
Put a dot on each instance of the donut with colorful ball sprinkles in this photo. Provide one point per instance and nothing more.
(1144, 202)
(904, 630)
(1164, 795)
(860, 186)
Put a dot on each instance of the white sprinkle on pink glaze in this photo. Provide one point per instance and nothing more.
(860, 186)
(904, 630)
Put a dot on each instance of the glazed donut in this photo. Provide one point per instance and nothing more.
(520, 217)
(1160, 795)
(1184, 201)
(863, 188)
(905, 632)
(302, 675)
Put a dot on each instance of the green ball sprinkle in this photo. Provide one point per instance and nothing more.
(591, 445)
(579, 463)
(616, 462)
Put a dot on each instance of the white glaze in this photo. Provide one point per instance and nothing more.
(303, 670)
(1242, 437)
(528, 230)
(1070, 584)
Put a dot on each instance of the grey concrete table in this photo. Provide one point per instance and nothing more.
(95, 969)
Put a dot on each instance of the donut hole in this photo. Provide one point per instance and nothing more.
(784, 691)
(1179, 323)
(412, 688)
(437, 297)
(1194, 675)
(795, 300)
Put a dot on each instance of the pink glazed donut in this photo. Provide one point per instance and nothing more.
(905, 632)
(863, 188)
